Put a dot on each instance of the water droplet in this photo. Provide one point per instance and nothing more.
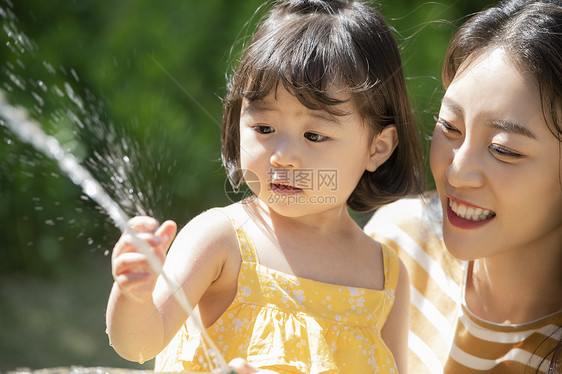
(42, 85)
(38, 98)
(18, 81)
(75, 99)
(49, 67)
(58, 91)
(73, 72)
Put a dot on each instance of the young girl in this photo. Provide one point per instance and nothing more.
(491, 301)
(316, 120)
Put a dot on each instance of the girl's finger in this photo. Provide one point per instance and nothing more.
(131, 263)
(166, 234)
(143, 224)
(127, 243)
(130, 280)
(136, 286)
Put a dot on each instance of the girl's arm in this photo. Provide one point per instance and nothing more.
(395, 330)
(142, 313)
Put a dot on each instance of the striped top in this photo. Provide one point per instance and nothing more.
(444, 335)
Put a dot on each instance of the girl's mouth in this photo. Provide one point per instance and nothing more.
(284, 189)
(467, 216)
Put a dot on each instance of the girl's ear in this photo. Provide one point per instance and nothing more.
(382, 147)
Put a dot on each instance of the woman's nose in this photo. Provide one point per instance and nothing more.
(466, 167)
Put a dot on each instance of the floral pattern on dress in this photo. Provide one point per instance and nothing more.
(295, 325)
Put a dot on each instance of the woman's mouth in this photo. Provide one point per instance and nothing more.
(470, 213)
(467, 216)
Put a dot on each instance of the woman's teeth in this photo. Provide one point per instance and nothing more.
(470, 213)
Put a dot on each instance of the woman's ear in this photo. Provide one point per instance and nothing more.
(382, 146)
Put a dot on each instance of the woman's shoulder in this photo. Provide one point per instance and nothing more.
(424, 212)
(419, 206)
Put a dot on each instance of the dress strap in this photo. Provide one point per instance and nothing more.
(245, 243)
(391, 267)
(247, 249)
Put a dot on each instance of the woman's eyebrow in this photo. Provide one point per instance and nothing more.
(504, 125)
(452, 105)
(512, 127)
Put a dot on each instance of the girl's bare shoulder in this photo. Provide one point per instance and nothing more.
(210, 230)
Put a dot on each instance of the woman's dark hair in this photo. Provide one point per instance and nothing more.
(309, 45)
(554, 355)
(530, 32)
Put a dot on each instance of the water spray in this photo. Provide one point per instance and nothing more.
(31, 132)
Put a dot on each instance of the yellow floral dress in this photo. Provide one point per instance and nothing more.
(289, 324)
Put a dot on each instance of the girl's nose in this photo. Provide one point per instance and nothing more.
(285, 154)
(466, 167)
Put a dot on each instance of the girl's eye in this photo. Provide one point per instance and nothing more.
(503, 152)
(264, 129)
(316, 138)
(447, 127)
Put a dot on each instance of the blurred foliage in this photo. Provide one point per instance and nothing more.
(149, 77)
(133, 89)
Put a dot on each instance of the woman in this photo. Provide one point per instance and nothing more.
(491, 300)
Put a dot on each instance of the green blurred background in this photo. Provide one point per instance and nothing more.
(133, 89)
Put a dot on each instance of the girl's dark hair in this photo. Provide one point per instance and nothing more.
(308, 45)
(530, 32)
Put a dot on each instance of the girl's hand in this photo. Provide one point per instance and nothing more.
(130, 268)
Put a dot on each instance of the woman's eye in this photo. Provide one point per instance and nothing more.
(263, 129)
(503, 152)
(313, 137)
(445, 125)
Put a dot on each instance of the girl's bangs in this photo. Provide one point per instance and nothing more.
(310, 63)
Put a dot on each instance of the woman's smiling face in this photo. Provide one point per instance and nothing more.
(496, 165)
